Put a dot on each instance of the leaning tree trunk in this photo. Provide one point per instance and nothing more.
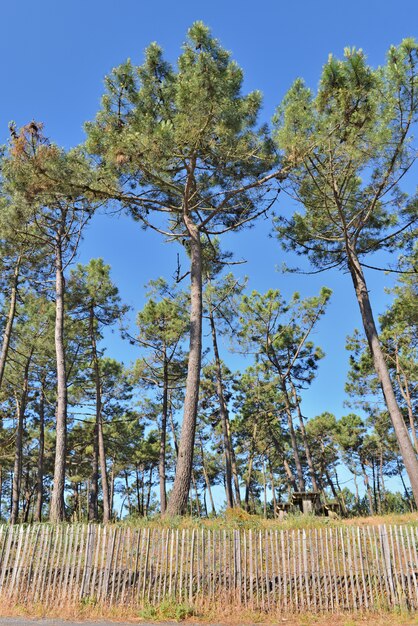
(223, 410)
(179, 495)
(57, 511)
(405, 446)
(10, 319)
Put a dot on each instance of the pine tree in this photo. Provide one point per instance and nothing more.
(360, 125)
(183, 143)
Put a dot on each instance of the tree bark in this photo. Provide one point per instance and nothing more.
(17, 470)
(405, 446)
(138, 491)
(40, 468)
(273, 490)
(179, 495)
(173, 431)
(405, 392)
(264, 490)
(279, 449)
(249, 470)
(368, 490)
(312, 472)
(196, 493)
(10, 319)
(57, 511)
(298, 464)
(93, 513)
(128, 492)
(112, 487)
(163, 439)
(99, 447)
(223, 411)
(17, 467)
(146, 510)
(206, 476)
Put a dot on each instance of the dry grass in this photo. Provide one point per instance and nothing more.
(170, 612)
(237, 518)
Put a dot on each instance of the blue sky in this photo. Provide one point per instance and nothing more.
(54, 55)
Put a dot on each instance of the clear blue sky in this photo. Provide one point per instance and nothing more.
(55, 53)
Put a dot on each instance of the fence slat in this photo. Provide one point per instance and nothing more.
(317, 570)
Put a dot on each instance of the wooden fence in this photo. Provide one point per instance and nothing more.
(327, 569)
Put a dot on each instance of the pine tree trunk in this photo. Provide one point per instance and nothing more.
(112, 487)
(1, 492)
(93, 512)
(341, 498)
(179, 495)
(146, 511)
(20, 414)
(223, 410)
(128, 492)
(356, 490)
(206, 477)
(331, 484)
(273, 490)
(406, 394)
(57, 510)
(10, 319)
(163, 439)
(107, 506)
(405, 446)
(368, 490)
(99, 453)
(405, 490)
(27, 500)
(292, 433)
(94, 480)
(40, 468)
(264, 490)
(249, 471)
(173, 431)
(309, 460)
(196, 493)
(17, 467)
(279, 449)
(375, 490)
(138, 491)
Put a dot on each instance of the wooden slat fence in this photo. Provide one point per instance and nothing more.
(326, 569)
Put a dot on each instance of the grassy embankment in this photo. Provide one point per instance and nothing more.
(236, 519)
